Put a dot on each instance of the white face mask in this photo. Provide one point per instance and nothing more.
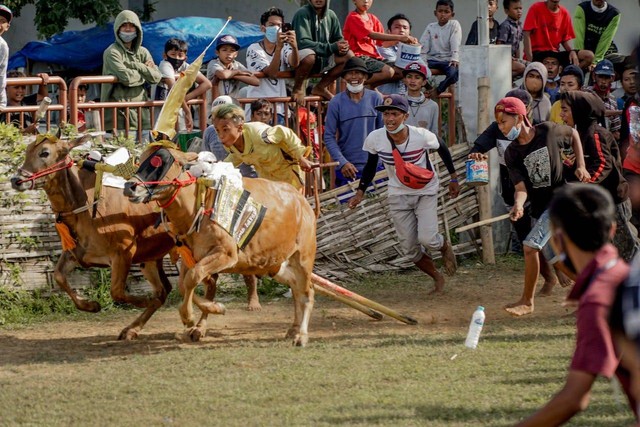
(398, 129)
(127, 36)
(355, 88)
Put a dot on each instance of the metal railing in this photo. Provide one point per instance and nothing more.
(75, 106)
(60, 106)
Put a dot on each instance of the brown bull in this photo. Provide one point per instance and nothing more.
(283, 247)
(121, 234)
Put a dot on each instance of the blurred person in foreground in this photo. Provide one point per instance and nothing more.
(599, 271)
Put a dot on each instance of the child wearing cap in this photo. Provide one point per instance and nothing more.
(535, 166)
(174, 62)
(225, 73)
(277, 51)
(412, 208)
(423, 112)
(604, 75)
(5, 22)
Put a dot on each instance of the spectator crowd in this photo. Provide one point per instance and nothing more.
(567, 120)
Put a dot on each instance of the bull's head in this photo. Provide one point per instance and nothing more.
(158, 175)
(44, 158)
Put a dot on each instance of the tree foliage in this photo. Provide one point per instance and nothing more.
(52, 16)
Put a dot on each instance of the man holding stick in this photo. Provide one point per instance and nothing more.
(534, 162)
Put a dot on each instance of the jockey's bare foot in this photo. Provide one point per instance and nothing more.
(449, 259)
(323, 92)
(520, 308)
(438, 282)
(254, 304)
(547, 288)
(564, 280)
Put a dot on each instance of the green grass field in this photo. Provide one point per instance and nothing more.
(354, 372)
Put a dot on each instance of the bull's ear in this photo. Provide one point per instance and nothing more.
(78, 141)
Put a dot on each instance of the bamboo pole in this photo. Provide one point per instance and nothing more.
(366, 310)
(322, 282)
(483, 222)
(484, 196)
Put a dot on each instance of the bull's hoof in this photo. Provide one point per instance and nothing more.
(292, 333)
(90, 306)
(128, 335)
(301, 340)
(196, 334)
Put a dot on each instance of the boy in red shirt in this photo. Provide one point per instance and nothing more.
(599, 272)
(547, 26)
(364, 32)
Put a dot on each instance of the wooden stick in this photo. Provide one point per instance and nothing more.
(321, 281)
(483, 222)
(366, 310)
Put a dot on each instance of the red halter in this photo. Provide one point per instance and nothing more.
(175, 182)
(65, 163)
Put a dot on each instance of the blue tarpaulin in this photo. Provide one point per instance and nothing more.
(83, 49)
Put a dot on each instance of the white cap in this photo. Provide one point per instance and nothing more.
(220, 100)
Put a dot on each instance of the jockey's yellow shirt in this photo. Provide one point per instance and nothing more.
(274, 152)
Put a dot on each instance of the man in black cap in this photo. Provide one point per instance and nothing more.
(351, 116)
(413, 186)
(5, 23)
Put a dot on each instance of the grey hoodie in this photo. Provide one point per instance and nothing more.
(541, 105)
(129, 66)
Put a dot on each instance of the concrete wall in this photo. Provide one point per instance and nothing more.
(419, 11)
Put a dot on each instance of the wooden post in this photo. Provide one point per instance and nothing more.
(484, 192)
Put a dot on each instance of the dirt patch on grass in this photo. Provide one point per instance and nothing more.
(473, 285)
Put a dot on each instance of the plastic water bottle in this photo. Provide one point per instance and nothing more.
(475, 327)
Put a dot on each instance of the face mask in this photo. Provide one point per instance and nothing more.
(175, 63)
(355, 88)
(513, 133)
(271, 33)
(126, 36)
(398, 129)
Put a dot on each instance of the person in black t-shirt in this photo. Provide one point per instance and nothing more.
(535, 166)
(602, 156)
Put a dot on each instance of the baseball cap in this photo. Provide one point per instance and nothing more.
(604, 68)
(227, 39)
(355, 64)
(220, 100)
(417, 67)
(394, 101)
(6, 12)
(511, 105)
(573, 70)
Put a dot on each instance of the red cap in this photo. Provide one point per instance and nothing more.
(511, 105)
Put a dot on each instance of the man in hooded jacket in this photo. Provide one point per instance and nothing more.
(133, 65)
(603, 162)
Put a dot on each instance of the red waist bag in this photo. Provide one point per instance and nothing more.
(409, 174)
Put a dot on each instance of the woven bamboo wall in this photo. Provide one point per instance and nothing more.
(364, 239)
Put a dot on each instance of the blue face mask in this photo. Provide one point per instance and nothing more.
(398, 129)
(513, 133)
(271, 33)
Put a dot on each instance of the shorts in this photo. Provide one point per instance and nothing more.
(306, 52)
(373, 65)
(538, 237)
